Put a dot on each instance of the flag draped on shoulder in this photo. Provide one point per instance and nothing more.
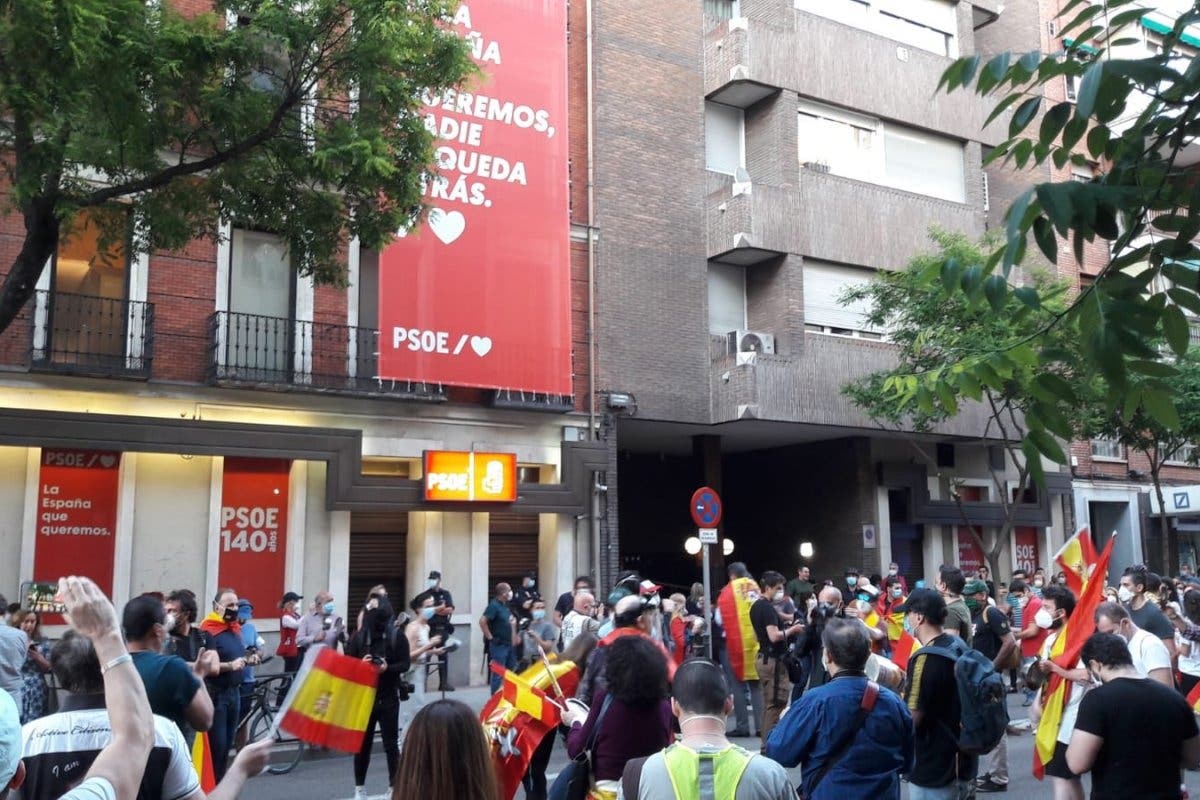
(330, 700)
(526, 709)
(1066, 648)
(741, 645)
(1076, 558)
(202, 762)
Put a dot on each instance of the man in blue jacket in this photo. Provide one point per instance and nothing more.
(843, 749)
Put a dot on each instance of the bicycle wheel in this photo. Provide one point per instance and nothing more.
(288, 750)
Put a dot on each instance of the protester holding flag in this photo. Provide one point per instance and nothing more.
(379, 643)
(741, 645)
(445, 757)
(1057, 705)
(225, 634)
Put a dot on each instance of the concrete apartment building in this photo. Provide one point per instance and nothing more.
(753, 158)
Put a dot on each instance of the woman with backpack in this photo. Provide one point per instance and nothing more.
(380, 642)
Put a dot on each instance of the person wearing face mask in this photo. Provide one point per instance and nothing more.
(1039, 581)
(773, 636)
(289, 623)
(1126, 756)
(851, 737)
(676, 612)
(940, 771)
(441, 624)
(522, 600)
(850, 586)
(1058, 603)
(701, 701)
(424, 646)
(540, 633)
(958, 617)
(225, 634)
(993, 638)
(632, 616)
(1145, 613)
(1150, 657)
(175, 690)
(321, 625)
(386, 648)
(499, 629)
(187, 640)
(1025, 628)
(254, 645)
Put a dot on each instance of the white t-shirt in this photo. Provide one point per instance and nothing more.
(1189, 664)
(1071, 709)
(1149, 653)
(92, 789)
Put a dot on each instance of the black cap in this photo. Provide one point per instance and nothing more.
(434, 575)
(928, 602)
(289, 597)
(531, 573)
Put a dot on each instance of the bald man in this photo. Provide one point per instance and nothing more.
(579, 618)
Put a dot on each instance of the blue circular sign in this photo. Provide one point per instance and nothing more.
(706, 507)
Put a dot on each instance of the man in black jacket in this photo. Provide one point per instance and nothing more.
(384, 644)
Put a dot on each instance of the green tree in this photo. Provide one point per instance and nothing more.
(936, 332)
(1137, 118)
(1139, 431)
(302, 118)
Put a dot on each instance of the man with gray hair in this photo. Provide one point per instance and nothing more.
(851, 737)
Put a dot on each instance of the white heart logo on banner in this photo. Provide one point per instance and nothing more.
(447, 225)
(107, 461)
(482, 345)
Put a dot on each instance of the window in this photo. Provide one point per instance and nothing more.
(1108, 448)
(723, 9)
(1186, 454)
(1072, 87)
(824, 285)
(724, 132)
(930, 25)
(261, 302)
(864, 148)
(726, 298)
(1082, 173)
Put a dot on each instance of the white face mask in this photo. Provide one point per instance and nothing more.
(1043, 619)
(170, 623)
(1124, 594)
(429, 584)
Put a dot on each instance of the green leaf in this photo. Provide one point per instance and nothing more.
(1028, 296)
(1043, 234)
(997, 66)
(1097, 141)
(1183, 297)
(946, 396)
(1033, 461)
(1089, 88)
(995, 288)
(1048, 446)
(1176, 329)
(1161, 408)
(1154, 369)
(1054, 120)
(1024, 115)
(1056, 386)
(951, 273)
(1001, 107)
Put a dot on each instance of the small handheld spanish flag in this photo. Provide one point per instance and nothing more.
(330, 701)
(1193, 699)
(202, 762)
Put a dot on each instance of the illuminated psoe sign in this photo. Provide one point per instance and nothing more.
(470, 477)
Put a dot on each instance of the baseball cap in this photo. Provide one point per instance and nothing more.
(10, 739)
(648, 587)
(925, 601)
(244, 603)
(974, 586)
(289, 597)
(434, 575)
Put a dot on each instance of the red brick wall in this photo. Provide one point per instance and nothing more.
(1088, 467)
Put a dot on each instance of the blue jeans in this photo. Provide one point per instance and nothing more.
(955, 790)
(501, 654)
(226, 703)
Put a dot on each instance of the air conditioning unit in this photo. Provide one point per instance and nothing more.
(751, 342)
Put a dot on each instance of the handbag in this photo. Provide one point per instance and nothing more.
(575, 780)
(864, 710)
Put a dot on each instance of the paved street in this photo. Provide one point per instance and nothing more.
(332, 777)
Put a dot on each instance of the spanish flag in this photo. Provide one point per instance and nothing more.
(330, 701)
(521, 714)
(741, 644)
(202, 762)
(1065, 653)
(1193, 699)
(1076, 558)
(902, 642)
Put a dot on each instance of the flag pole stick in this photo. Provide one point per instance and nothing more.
(549, 672)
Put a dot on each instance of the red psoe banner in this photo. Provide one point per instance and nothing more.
(77, 516)
(1026, 557)
(478, 294)
(252, 537)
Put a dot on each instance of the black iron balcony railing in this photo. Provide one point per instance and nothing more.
(250, 349)
(86, 335)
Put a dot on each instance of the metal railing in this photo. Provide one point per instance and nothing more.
(87, 335)
(250, 349)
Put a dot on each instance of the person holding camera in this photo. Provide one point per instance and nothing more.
(773, 639)
(386, 647)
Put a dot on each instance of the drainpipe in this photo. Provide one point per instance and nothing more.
(593, 434)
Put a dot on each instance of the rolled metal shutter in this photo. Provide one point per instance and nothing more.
(378, 554)
(512, 547)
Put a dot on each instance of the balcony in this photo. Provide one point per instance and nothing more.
(728, 76)
(96, 336)
(250, 350)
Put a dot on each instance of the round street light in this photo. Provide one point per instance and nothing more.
(806, 549)
(692, 545)
(727, 546)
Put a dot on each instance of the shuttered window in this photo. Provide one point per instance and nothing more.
(512, 547)
(378, 554)
(823, 287)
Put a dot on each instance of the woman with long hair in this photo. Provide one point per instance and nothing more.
(679, 623)
(445, 756)
(631, 716)
(36, 694)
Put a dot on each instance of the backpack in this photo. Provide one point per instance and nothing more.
(981, 695)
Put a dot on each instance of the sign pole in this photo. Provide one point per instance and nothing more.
(708, 604)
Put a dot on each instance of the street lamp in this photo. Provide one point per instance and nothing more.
(727, 546)
(692, 545)
(806, 549)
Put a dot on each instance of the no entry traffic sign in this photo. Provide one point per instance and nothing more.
(706, 508)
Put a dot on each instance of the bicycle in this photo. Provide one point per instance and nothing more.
(269, 693)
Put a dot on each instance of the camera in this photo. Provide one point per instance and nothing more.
(376, 660)
(405, 689)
